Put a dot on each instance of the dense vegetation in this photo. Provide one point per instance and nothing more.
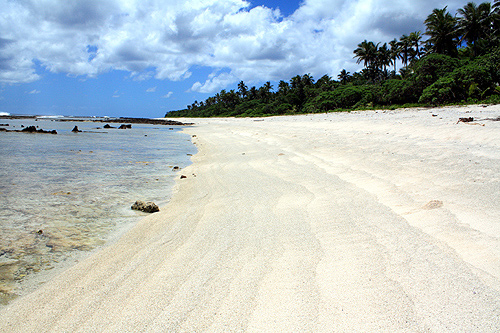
(459, 62)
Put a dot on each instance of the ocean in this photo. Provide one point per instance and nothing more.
(63, 196)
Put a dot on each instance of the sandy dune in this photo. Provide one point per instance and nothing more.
(352, 222)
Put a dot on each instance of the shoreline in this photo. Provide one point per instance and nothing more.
(72, 193)
(367, 221)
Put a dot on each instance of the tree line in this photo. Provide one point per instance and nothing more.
(458, 62)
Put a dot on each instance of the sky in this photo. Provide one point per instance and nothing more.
(143, 58)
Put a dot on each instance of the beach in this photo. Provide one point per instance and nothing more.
(342, 222)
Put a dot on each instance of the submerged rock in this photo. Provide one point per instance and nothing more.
(125, 126)
(148, 207)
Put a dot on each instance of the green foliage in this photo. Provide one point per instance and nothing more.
(396, 91)
(471, 81)
(431, 67)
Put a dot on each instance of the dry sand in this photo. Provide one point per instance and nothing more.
(351, 222)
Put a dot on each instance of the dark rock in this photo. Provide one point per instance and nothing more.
(75, 129)
(4, 124)
(147, 207)
(182, 177)
(32, 129)
(29, 129)
(125, 126)
(465, 120)
(176, 168)
(108, 126)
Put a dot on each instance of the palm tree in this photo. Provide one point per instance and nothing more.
(344, 76)
(395, 51)
(296, 81)
(366, 52)
(441, 27)
(252, 93)
(324, 83)
(242, 89)
(283, 88)
(265, 91)
(405, 43)
(474, 23)
(384, 58)
(307, 80)
(496, 19)
(415, 39)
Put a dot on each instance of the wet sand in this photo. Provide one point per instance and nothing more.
(364, 221)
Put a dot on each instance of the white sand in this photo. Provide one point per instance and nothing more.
(355, 222)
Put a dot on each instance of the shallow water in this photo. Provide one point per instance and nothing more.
(64, 194)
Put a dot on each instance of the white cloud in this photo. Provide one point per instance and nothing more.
(151, 90)
(214, 83)
(34, 91)
(168, 95)
(164, 39)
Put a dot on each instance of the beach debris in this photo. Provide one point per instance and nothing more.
(75, 129)
(433, 204)
(147, 207)
(123, 126)
(176, 168)
(183, 177)
(469, 121)
(61, 193)
(493, 119)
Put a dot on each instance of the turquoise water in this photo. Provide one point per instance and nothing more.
(66, 194)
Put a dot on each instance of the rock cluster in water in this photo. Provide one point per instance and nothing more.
(148, 207)
(30, 129)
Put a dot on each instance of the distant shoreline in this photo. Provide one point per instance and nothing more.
(131, 120)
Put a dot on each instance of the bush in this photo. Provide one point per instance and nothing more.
(398, 92)
(465, 82)
(430, 68)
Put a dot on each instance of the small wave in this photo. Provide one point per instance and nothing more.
(4, 114)
(49, 117)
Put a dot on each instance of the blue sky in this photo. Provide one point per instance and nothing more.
(142, 58)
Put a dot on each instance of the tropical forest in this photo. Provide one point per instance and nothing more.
(455, 61)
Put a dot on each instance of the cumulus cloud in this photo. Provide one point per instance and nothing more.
(165, 39)
(168, 95)
(214, 83)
